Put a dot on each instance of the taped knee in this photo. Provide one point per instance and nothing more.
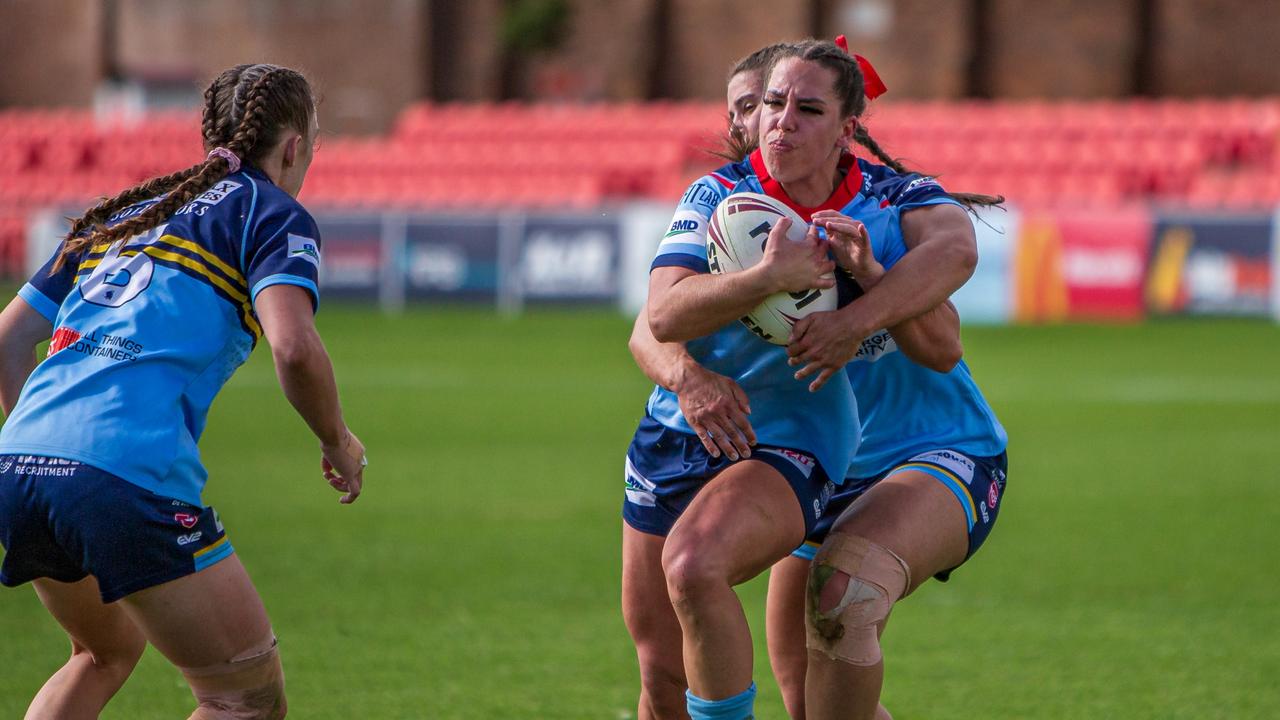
(247, 687)
(853, 584)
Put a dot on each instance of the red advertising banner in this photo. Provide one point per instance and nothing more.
(1082, 265)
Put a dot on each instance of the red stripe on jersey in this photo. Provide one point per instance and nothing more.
(843, 195)
(723, 180)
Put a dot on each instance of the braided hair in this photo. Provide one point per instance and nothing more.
(245, 110)
(850, 89)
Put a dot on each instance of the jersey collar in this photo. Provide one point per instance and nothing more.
(843, 195)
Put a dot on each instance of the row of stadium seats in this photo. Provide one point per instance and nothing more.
(1201, 153)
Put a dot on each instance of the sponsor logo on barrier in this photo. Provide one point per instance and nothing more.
(1120, 267)
(437, 267)
(569, 263)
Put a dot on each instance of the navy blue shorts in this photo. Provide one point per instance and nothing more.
(65, 520)
(977, 482)
(666, 468)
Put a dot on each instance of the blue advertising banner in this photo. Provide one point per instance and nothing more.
(1210, 264)
(351, 256)
(451, 259)
(568, 259)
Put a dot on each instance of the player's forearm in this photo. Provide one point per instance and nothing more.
(931, 339)
(306, 376)
(923, 279)
(699, 305)
(660, 362)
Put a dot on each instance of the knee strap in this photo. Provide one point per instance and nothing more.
(247, 687)
(845, 627)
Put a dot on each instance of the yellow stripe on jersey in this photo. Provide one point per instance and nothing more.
(246, 310)
(212, 259)
(238, 292)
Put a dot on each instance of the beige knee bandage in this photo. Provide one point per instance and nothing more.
(248, 687)
(847, 631)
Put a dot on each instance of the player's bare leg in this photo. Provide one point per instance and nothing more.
(105, 647)
(212, 625)
(743, 521)
(906, 518)
(784, 629)
(653, 626)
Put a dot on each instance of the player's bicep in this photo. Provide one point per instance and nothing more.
(942, 221)
(286, 314)
(662, 280)
(22, 325)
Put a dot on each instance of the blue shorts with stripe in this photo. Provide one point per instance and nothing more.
(666, 468)
(976, 482)
(65, 520)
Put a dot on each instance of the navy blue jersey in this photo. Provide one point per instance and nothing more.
(146, 332)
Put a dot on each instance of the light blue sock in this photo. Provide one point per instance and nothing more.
(738, 707)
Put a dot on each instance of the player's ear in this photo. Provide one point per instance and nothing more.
(291, 146)
(847, 131)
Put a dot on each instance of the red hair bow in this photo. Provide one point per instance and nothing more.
(872, 86)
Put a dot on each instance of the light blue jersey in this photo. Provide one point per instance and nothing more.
(784, 412)
(146, 334)
(908, 409)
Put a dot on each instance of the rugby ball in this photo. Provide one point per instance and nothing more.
(735, 241)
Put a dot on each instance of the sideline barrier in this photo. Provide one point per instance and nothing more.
(1120, 264)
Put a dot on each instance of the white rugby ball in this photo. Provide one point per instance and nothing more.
(735, 241)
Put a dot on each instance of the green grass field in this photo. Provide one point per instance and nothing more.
(1132, 573)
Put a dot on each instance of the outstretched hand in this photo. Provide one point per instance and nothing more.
(343, 466)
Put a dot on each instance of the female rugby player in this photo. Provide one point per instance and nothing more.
(153, 300)
(700, 566)
(920, 497)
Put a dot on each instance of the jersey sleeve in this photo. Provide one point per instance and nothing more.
(888, 249)
(282, 247)
(685, 244)
(46, 290)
